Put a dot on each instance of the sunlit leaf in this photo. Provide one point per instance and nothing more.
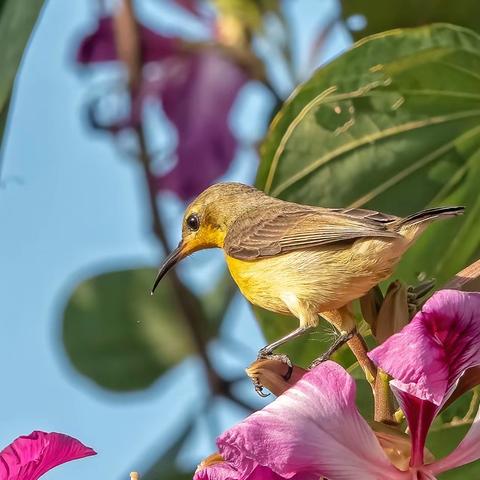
(391, 125)
(17, 19)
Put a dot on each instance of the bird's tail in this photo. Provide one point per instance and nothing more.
(429, 215)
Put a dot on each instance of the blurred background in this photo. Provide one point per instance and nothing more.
(121, 112)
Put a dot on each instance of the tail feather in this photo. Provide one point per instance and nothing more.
(430, 214)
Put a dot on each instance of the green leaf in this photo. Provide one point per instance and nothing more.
(392, 125)
(119, 335)
(381, 15)
(17, 18)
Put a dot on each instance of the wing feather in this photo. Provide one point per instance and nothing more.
(285, 227)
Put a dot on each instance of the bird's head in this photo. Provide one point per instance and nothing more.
(207, 219)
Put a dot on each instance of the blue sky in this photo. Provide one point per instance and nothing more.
(68, 203)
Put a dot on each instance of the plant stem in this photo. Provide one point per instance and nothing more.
(384, 408)
(384, 405)
(186, 301)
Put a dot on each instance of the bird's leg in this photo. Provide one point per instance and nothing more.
(341, 340)
(344, 321)
(267, 351)
(308, 319)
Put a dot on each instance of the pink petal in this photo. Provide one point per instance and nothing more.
(197, 98)
(467, 451)
(315, 429)
(29, 457)
(99, 46)
(225, 471)
(429, 355)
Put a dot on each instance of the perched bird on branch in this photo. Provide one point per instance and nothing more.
(296, 259)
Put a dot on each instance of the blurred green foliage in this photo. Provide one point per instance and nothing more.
(122, 338)
(248, 12)
(442, 441)
(17, 19)
(380, 16)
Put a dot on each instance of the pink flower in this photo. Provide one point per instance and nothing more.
(314, 429)
(29, 457)
(197, 89)
(438, 346)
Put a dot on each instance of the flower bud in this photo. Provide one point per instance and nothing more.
(388, 316)
(274, 375)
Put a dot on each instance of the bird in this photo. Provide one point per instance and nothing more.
(300, 260)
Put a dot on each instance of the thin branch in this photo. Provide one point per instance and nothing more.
(192, 313)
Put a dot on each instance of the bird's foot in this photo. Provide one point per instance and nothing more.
(265, 354)
(416, 294)
(343, 338)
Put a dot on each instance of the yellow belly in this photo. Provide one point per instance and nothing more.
(325, 279)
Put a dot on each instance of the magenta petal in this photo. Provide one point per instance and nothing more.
(427, 358)
(420, 415)
(197, 97)
(467, 451)
(313, 429)
(29, 457)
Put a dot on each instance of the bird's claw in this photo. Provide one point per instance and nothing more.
(259, 388)
(265, 354)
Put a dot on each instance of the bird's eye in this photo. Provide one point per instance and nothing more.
(193, 222)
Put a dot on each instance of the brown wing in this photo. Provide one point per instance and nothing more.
(281, 228)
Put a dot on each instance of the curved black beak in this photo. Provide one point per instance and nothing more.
(172, 259)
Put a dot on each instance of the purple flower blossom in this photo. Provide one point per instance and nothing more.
(314, 429)
(197, 89)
